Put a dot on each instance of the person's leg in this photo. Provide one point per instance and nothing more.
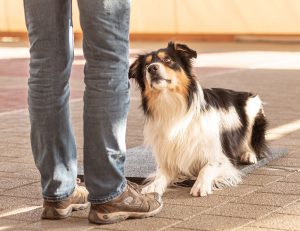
(51, 55)
(105, 26)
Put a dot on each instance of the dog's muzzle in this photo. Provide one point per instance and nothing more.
(153, 69)
(155, 73)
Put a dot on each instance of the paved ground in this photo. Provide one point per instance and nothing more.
(268, 199)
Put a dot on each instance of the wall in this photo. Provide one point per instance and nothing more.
(189, 16)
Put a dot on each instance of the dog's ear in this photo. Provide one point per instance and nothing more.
(183, 50)
(185, 54)
(134, 69)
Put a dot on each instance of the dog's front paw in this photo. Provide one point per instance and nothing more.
(248, 158)
(201, 189)
(154, 187)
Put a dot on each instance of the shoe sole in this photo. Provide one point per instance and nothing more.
(55, 214)
(111, 218)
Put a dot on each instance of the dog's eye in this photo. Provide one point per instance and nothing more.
(167, 60)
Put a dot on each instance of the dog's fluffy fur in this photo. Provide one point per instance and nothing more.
(195, 133)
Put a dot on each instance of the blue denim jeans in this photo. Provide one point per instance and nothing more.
(105, 25)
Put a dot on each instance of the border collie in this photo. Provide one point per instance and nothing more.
(195, 133)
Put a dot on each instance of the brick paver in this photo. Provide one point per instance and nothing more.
(292, 209)
(212, 222)
(242, 210)
(271, 199)
(268, 199)
(279, 221)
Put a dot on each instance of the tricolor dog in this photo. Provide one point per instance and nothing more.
(194, 132)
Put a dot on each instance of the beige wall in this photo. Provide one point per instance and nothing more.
(11, 15)
(189, 16)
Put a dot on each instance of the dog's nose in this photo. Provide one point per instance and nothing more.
(152, 69)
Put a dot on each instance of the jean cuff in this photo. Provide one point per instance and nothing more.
(59, 198)
(111, 196)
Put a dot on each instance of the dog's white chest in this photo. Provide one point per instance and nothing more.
(181, 144)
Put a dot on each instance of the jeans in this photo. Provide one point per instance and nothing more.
(105, 25)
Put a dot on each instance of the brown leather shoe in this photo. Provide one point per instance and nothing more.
(63, 209)
(130, 204)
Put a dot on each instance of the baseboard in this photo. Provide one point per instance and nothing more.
(147, 37)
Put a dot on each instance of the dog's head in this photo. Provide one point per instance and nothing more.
(167, 69)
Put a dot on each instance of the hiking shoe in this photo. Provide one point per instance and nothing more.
(130, 204)
(63, 209)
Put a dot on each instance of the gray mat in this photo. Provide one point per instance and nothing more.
(140, 163)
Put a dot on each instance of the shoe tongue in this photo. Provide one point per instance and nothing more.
(133, 190)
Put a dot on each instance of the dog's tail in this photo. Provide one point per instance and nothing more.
(258, 138)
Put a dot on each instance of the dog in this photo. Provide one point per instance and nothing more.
(195, 133)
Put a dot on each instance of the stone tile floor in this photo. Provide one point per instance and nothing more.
(268, 199)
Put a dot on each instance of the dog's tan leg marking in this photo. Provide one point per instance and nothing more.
(158, 185)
